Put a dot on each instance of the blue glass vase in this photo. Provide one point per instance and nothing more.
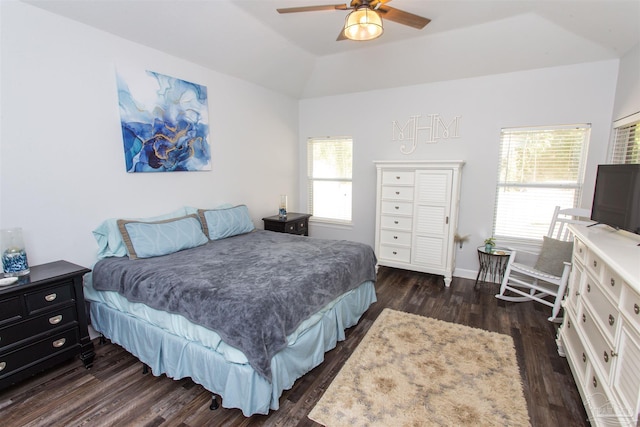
(14, 256)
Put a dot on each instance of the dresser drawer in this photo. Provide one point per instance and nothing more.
(397, 208)
(397, 193)
(395, 222)
(395, 254)
(10, 310)
(630, 304)
(597, 342)
(401, 238)
(573, 346)
(576, 288)
(49, 297)
(595, 265)
(397, 177)
(36, 326)
(612, 283)
(13, 361)
(579, 250)
(604, 311)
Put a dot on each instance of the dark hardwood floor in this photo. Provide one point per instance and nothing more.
(116, 393)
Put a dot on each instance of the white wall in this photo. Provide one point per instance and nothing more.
(61, 157)
(628, 89)
(563, 95)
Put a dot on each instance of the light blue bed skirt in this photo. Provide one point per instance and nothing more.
(169, 353)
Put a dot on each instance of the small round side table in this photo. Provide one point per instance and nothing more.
(492, 263)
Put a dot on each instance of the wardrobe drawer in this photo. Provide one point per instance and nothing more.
(396, 222)
(37, 325)
(604, 311)
(50, 297)
(393, 253)
(397, 177)
(397, 193)
(397, 208)
(390, 237)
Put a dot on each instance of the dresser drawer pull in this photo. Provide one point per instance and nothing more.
(606, 357)
(395, 222)
(3, 365)
(595, 263)
(580, 250)
(636, 308)
(55, 319)
(397, 193)
(395, 253)
(588, 287)
(613, 281)
(395, 237)
(59, 343)
(397, 177)
(397, 207)
(584, 357)
(595, 382)
(50, 297)
(613, 353)
(302, 224)
(611, 320)
(584, 318)
(577, 293)
(569, 324)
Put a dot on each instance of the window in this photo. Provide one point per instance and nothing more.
(626, 140)
(329, 165)
(539, 168)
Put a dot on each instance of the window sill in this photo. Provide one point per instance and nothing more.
(323, 222)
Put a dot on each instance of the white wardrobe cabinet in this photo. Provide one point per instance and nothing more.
(417, 215)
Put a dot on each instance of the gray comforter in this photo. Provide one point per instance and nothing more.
(253, 289)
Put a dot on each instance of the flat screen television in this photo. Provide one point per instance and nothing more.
(616, 199)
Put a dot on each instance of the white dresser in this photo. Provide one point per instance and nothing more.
(600, 333)
(417, 215)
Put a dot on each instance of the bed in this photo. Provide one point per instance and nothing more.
(243, 312)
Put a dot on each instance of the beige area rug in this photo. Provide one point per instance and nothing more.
(411, 370)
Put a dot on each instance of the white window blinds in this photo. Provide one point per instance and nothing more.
(626, 140)
(539, 168)
(329, 174)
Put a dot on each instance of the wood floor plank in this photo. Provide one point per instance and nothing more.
(116, 393)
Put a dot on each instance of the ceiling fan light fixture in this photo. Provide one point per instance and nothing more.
(363, 24)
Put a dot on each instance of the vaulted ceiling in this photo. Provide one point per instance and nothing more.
(297, 54)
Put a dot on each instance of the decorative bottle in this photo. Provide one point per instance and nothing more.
(14, 256)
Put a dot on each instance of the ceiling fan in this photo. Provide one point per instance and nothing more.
(365, 20)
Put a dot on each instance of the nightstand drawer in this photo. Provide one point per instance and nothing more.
(13, 361)
(50, 297)
(10, 310)
(36, 326)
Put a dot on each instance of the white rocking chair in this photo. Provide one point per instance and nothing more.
(532, 284)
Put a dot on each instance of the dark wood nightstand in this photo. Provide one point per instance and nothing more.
(294, 223)
(43, 321)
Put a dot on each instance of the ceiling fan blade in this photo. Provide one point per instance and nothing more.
(402, 17)
(341, 6)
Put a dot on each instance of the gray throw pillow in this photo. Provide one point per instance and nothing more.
(553, 255)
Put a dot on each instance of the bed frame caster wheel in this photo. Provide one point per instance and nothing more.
(145, 369)
(214, 403)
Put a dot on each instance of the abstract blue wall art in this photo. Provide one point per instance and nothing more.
(165, 122)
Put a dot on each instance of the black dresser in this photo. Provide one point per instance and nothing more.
(43, 321)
